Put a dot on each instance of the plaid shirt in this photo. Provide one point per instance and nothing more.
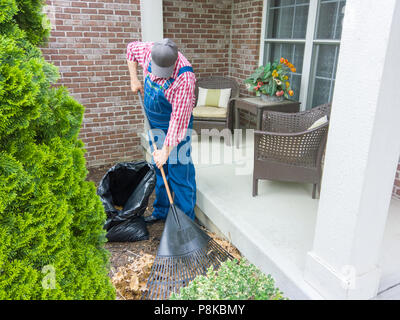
(180, 94)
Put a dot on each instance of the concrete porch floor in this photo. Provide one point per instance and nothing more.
(275, 230)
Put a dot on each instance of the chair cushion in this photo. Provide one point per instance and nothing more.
(209, 112)
(319, 122)
(214, 97)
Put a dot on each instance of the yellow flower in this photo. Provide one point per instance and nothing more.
(285, 78)
(287, 84)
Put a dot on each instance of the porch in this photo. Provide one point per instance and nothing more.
(275, 230)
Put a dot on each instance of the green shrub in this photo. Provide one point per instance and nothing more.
(233, 281)
(51, 234)
(29, 17)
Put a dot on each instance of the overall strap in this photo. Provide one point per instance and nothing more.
(185, 69)
(181, 71)
(171, 80)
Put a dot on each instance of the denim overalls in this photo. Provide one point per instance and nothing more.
(179, 168)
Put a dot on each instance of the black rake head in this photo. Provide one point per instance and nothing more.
(185, 252)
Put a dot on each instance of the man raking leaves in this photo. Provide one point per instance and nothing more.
(169, 84)
(185, 251)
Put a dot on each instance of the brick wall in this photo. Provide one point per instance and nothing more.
(201, 29)
(246, 33)
(245, 47)
(88, 44)
(217, 36)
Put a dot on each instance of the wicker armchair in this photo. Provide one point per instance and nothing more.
(287, 151)
(220, 122)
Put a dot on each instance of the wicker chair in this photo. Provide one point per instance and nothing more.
(224, 122)
(287, 151)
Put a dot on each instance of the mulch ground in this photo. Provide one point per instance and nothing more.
(129, 258)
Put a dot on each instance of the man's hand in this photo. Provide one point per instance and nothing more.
(136, 86)
(161, 156)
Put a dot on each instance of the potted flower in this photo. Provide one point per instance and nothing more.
(271, 82)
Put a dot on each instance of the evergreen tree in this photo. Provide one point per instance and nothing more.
(51, 235)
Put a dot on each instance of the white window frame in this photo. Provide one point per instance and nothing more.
(309, 43)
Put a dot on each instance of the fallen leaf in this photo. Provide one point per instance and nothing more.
(134, 283)
(131, 279)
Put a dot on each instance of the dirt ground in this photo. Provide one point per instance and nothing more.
(128, 259)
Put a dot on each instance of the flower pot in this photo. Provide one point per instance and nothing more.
(268, 98)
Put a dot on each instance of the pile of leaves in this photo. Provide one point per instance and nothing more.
(233, 281)
(130, 280)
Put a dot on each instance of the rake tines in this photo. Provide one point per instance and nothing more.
(170, 274)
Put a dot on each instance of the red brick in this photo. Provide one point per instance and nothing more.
(98, 4)
(81, 4)
(71, 10)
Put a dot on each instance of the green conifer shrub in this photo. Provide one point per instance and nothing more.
(51, 234)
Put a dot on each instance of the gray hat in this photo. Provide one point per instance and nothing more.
(163, 58)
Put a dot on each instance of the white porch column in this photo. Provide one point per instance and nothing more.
(151, 15)
(362, 154)
(151, 12)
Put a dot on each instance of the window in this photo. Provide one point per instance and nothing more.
(307, 32)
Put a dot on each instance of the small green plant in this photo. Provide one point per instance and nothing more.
(233, 281)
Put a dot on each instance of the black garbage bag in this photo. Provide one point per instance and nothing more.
(127, 185)
(131, 230)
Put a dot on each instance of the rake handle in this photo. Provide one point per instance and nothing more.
(171, 201)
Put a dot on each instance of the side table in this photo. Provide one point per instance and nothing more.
(257, 106)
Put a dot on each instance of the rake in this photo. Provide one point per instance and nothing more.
(185, 250)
